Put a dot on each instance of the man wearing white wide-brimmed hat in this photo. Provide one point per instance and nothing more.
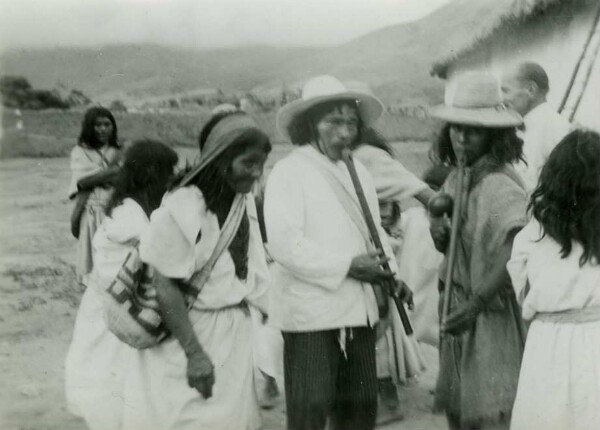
(323, 300)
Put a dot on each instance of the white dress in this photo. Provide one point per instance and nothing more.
(97, 361)
(559, 383)
(418, 267)
(398, 355)
(157, 395)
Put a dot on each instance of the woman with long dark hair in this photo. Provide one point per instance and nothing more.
(554, 268)
(480, 347)
(96, 363)
(205, 246)
(93, 165)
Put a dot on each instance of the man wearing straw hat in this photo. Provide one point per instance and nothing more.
(481, 339)
(323, 300)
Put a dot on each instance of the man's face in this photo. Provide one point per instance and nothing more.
(337, 130)
(516, 94)
(469, 140)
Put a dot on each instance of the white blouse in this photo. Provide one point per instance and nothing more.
(555, 284)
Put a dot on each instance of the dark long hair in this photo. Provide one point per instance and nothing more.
(144, 176)
(567, 199)
(217, 193)
(87, 136)
(372, 137)
(504, 146)
(302, 128)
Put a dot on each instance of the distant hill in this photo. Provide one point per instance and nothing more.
(139, 71)
(395, 61)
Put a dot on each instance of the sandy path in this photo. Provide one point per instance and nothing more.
(39, 299)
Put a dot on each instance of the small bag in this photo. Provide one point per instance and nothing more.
(80, 200)
(131, 309)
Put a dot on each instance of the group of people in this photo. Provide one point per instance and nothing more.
(304, 259)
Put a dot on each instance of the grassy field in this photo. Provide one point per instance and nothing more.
(53, 133)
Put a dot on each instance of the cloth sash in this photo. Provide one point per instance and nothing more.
(571, 316)
(228, 231)
(220, 138)
(345, 196)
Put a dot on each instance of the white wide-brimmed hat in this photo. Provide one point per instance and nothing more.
(325, 88)
(474, 99)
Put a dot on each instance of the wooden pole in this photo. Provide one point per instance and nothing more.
(565, 98)
(348, 160)
(454, 230)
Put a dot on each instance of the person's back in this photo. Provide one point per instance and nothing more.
(554, 269)
(95, 366)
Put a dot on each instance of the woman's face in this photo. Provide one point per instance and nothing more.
(337, 130)
(103, 129)
(246, 169)
(469, 140)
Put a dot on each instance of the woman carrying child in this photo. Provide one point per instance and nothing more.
(205, 246)
(96, 363)
(555, 271)
(93, 165)
(480, 347)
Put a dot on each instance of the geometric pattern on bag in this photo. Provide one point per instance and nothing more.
(131, 308)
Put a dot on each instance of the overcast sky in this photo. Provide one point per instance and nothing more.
(199, 23)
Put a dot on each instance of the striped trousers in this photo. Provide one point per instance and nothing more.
(321, 383)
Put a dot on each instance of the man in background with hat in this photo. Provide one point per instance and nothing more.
(524, 89)
(322, 300)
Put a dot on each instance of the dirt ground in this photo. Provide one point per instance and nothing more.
(39, 298)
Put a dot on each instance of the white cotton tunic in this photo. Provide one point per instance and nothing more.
(559, 383)
(157, 394)
(96, 362)
(313, 241)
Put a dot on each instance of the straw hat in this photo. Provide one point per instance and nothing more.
(474, 99)
(325, 88)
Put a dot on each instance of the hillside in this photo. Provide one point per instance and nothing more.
(138, 71)
(395, 60)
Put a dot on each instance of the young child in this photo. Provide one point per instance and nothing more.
(93, 160)
(97, 360)
(554, 269)
(398, 356)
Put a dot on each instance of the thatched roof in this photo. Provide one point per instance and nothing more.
(513, 13)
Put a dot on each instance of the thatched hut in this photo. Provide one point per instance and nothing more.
(562, 35)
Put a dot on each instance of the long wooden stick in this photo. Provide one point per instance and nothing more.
(454, 230)
(348, 160)
(586, 45)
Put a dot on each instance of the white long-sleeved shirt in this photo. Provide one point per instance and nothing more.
(313, 241)
(544, 128)
(392, 180)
